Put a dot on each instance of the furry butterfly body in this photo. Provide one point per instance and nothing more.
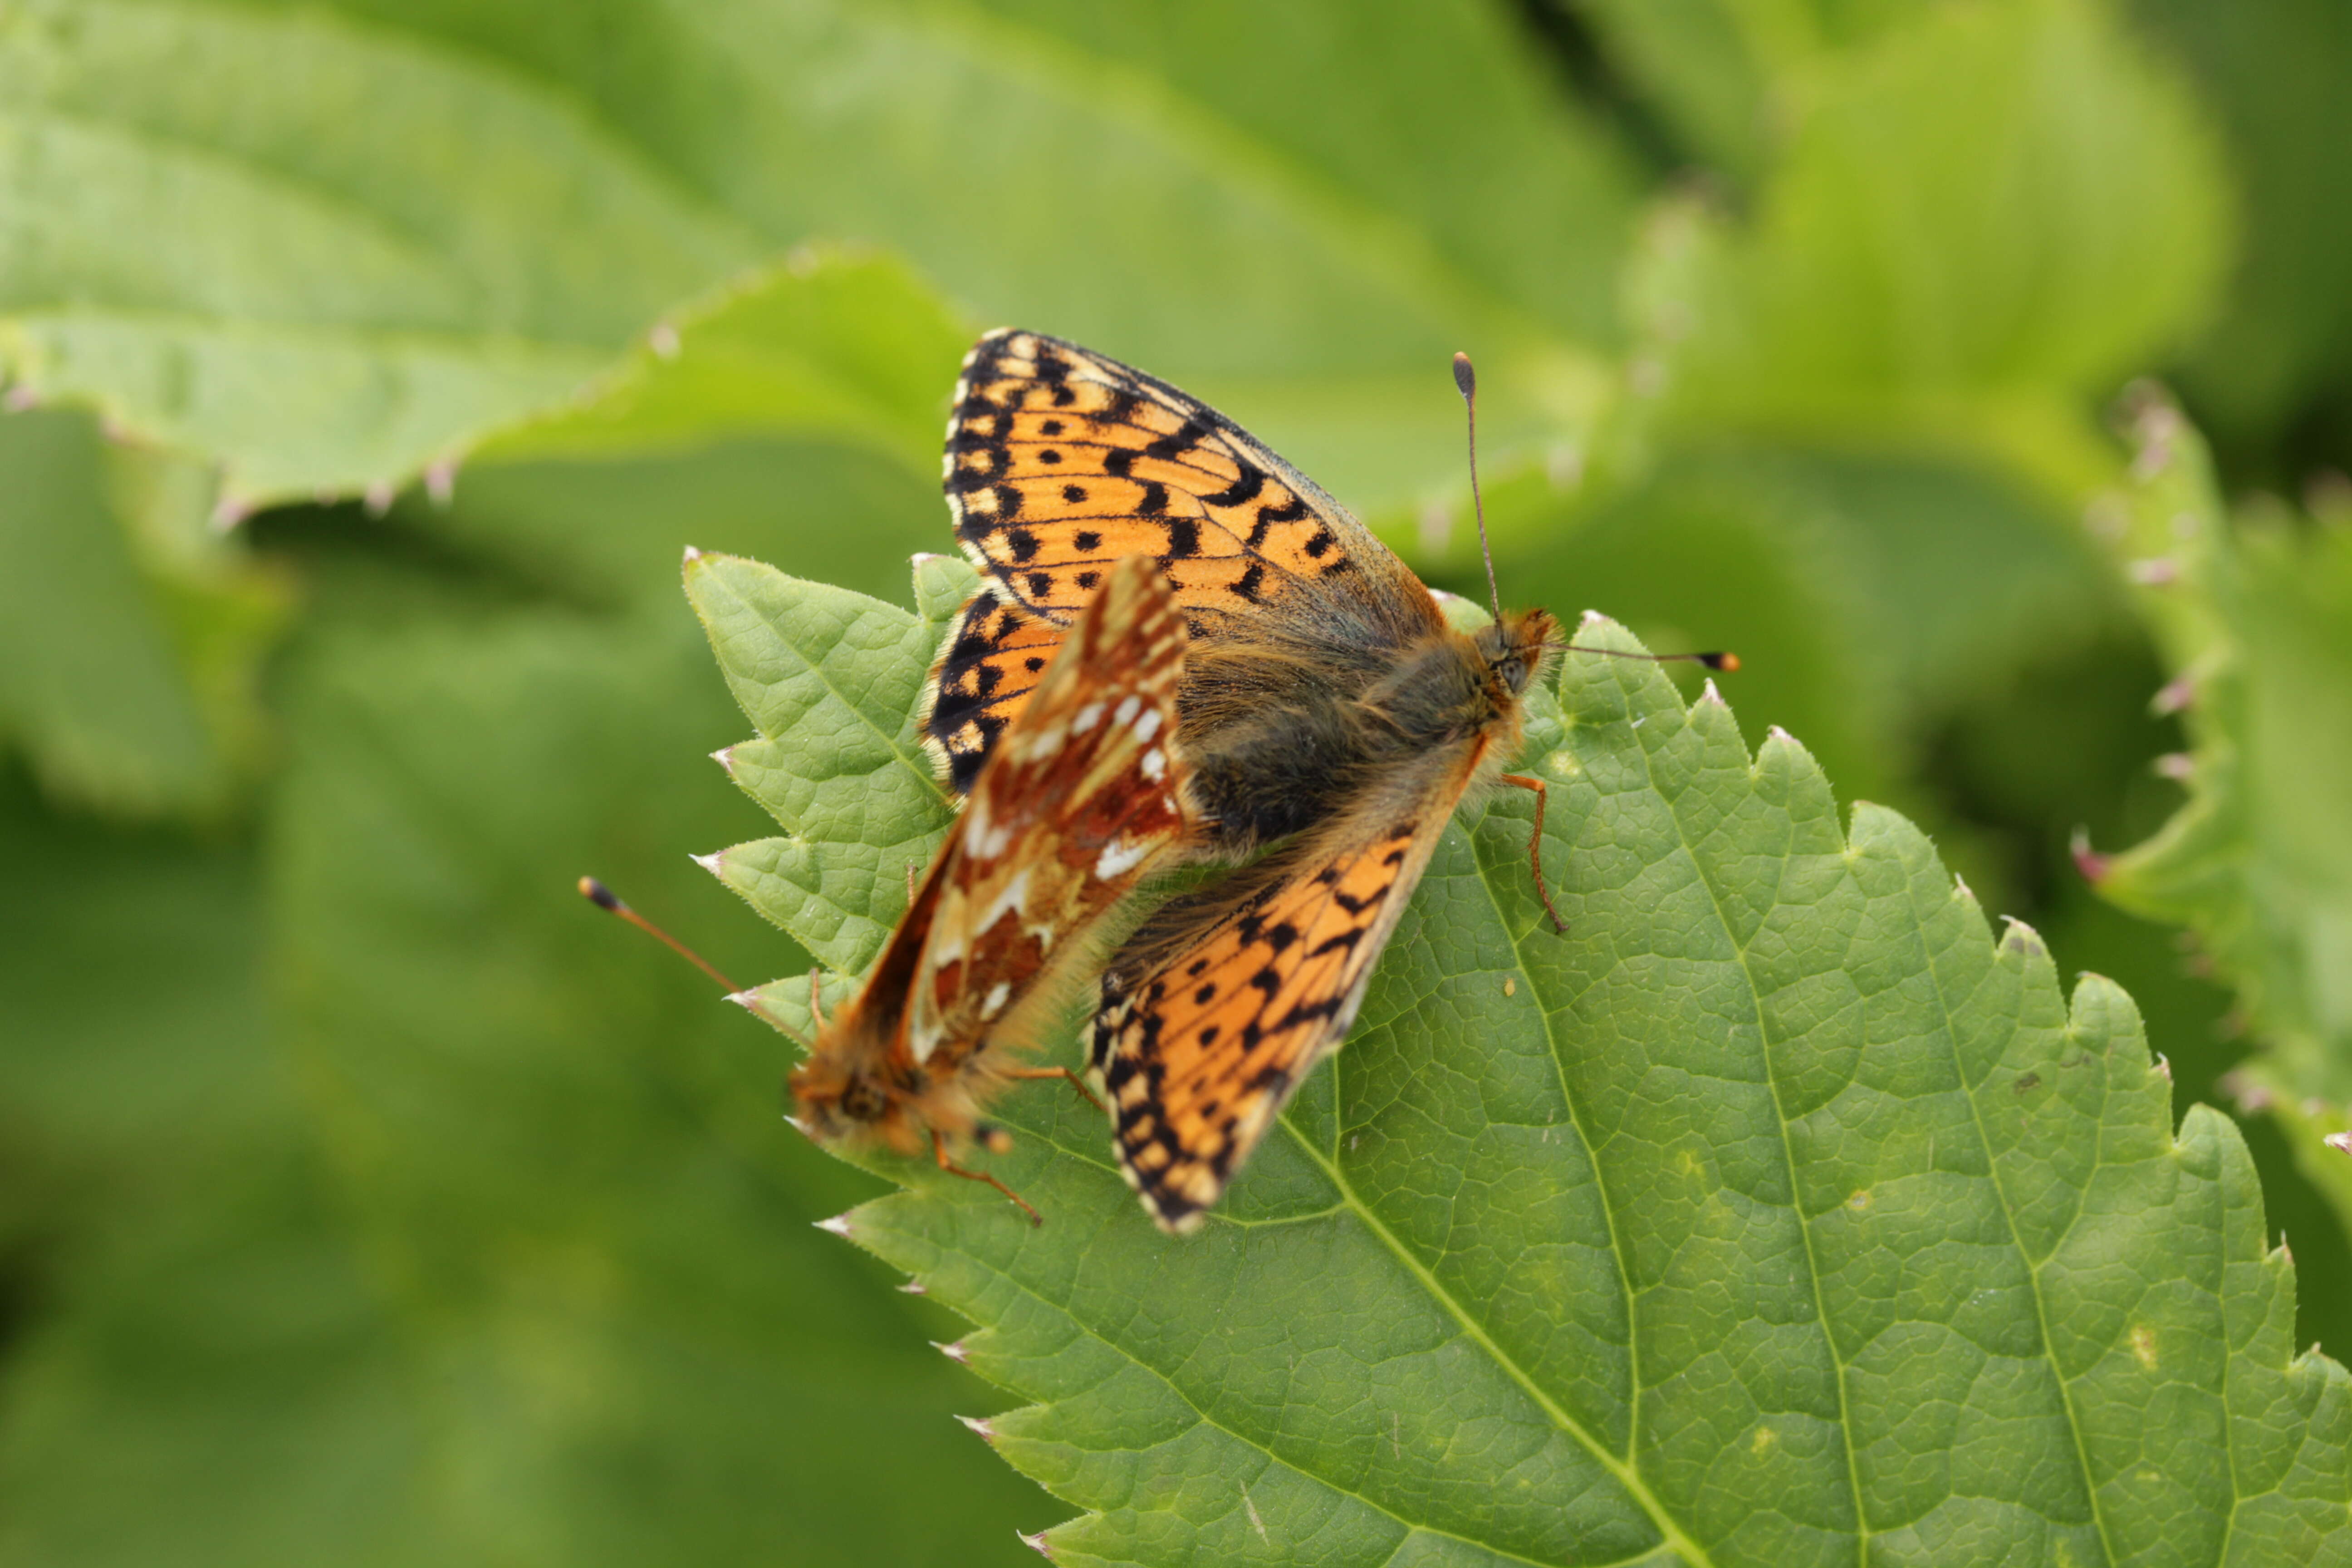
(1327, 707)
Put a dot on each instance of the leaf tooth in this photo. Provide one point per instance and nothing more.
(952, 1349)
(441, 480)
(2022, 939)
(1037, 1544)
(979, 1425)
(838, 1225)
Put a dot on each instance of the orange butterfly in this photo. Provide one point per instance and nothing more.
(1080, 799)
(1326, 704)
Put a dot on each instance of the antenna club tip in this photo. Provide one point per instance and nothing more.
(1465, 377)
(1726, 661)
(602, 897)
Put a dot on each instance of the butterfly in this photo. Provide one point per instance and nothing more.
(1328, 709)
(1081, 797)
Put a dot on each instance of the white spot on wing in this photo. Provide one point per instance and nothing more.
(997, 997)
(1147, 726)
(1119, 857)
(1087, 718)
(1009, 901)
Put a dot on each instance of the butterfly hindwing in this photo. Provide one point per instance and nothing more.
(985, 672)
(1225, 999)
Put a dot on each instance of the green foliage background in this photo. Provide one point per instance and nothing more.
(368, 1199)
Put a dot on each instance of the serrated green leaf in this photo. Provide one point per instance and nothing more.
(1776, 1214)
(831, 681)
(2255, 623)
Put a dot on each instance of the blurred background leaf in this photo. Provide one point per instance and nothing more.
(370, 1196)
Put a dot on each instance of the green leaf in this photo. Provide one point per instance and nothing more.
(329, 299)
(831, 680)
(1776, 1212)
(607, 1334)
(850, 349)
(2254, 620)
(130, 635)
(234, 260)
(1982, 217)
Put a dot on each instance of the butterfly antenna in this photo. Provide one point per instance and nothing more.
(1721, 658)
(603, 898)
(1467, 380)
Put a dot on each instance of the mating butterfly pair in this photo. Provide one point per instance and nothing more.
(1185, 651)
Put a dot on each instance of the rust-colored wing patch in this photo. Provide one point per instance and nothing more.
(1079, 801)
(1082, 798)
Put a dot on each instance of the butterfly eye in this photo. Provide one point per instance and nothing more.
(1513, 669)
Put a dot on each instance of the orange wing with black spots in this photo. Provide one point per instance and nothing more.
(1327, 708)
(989, 666)
(1226, 998)
(1059, 461)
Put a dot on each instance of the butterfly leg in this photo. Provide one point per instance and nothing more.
(940, 1153)
(1535, 844)
(1075, 1083)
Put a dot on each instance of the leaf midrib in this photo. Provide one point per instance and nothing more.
(1673, 803)
(1084, 1156)
(2009, 1224)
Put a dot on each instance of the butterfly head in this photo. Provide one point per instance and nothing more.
(1516, 648)
(840, 1096)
